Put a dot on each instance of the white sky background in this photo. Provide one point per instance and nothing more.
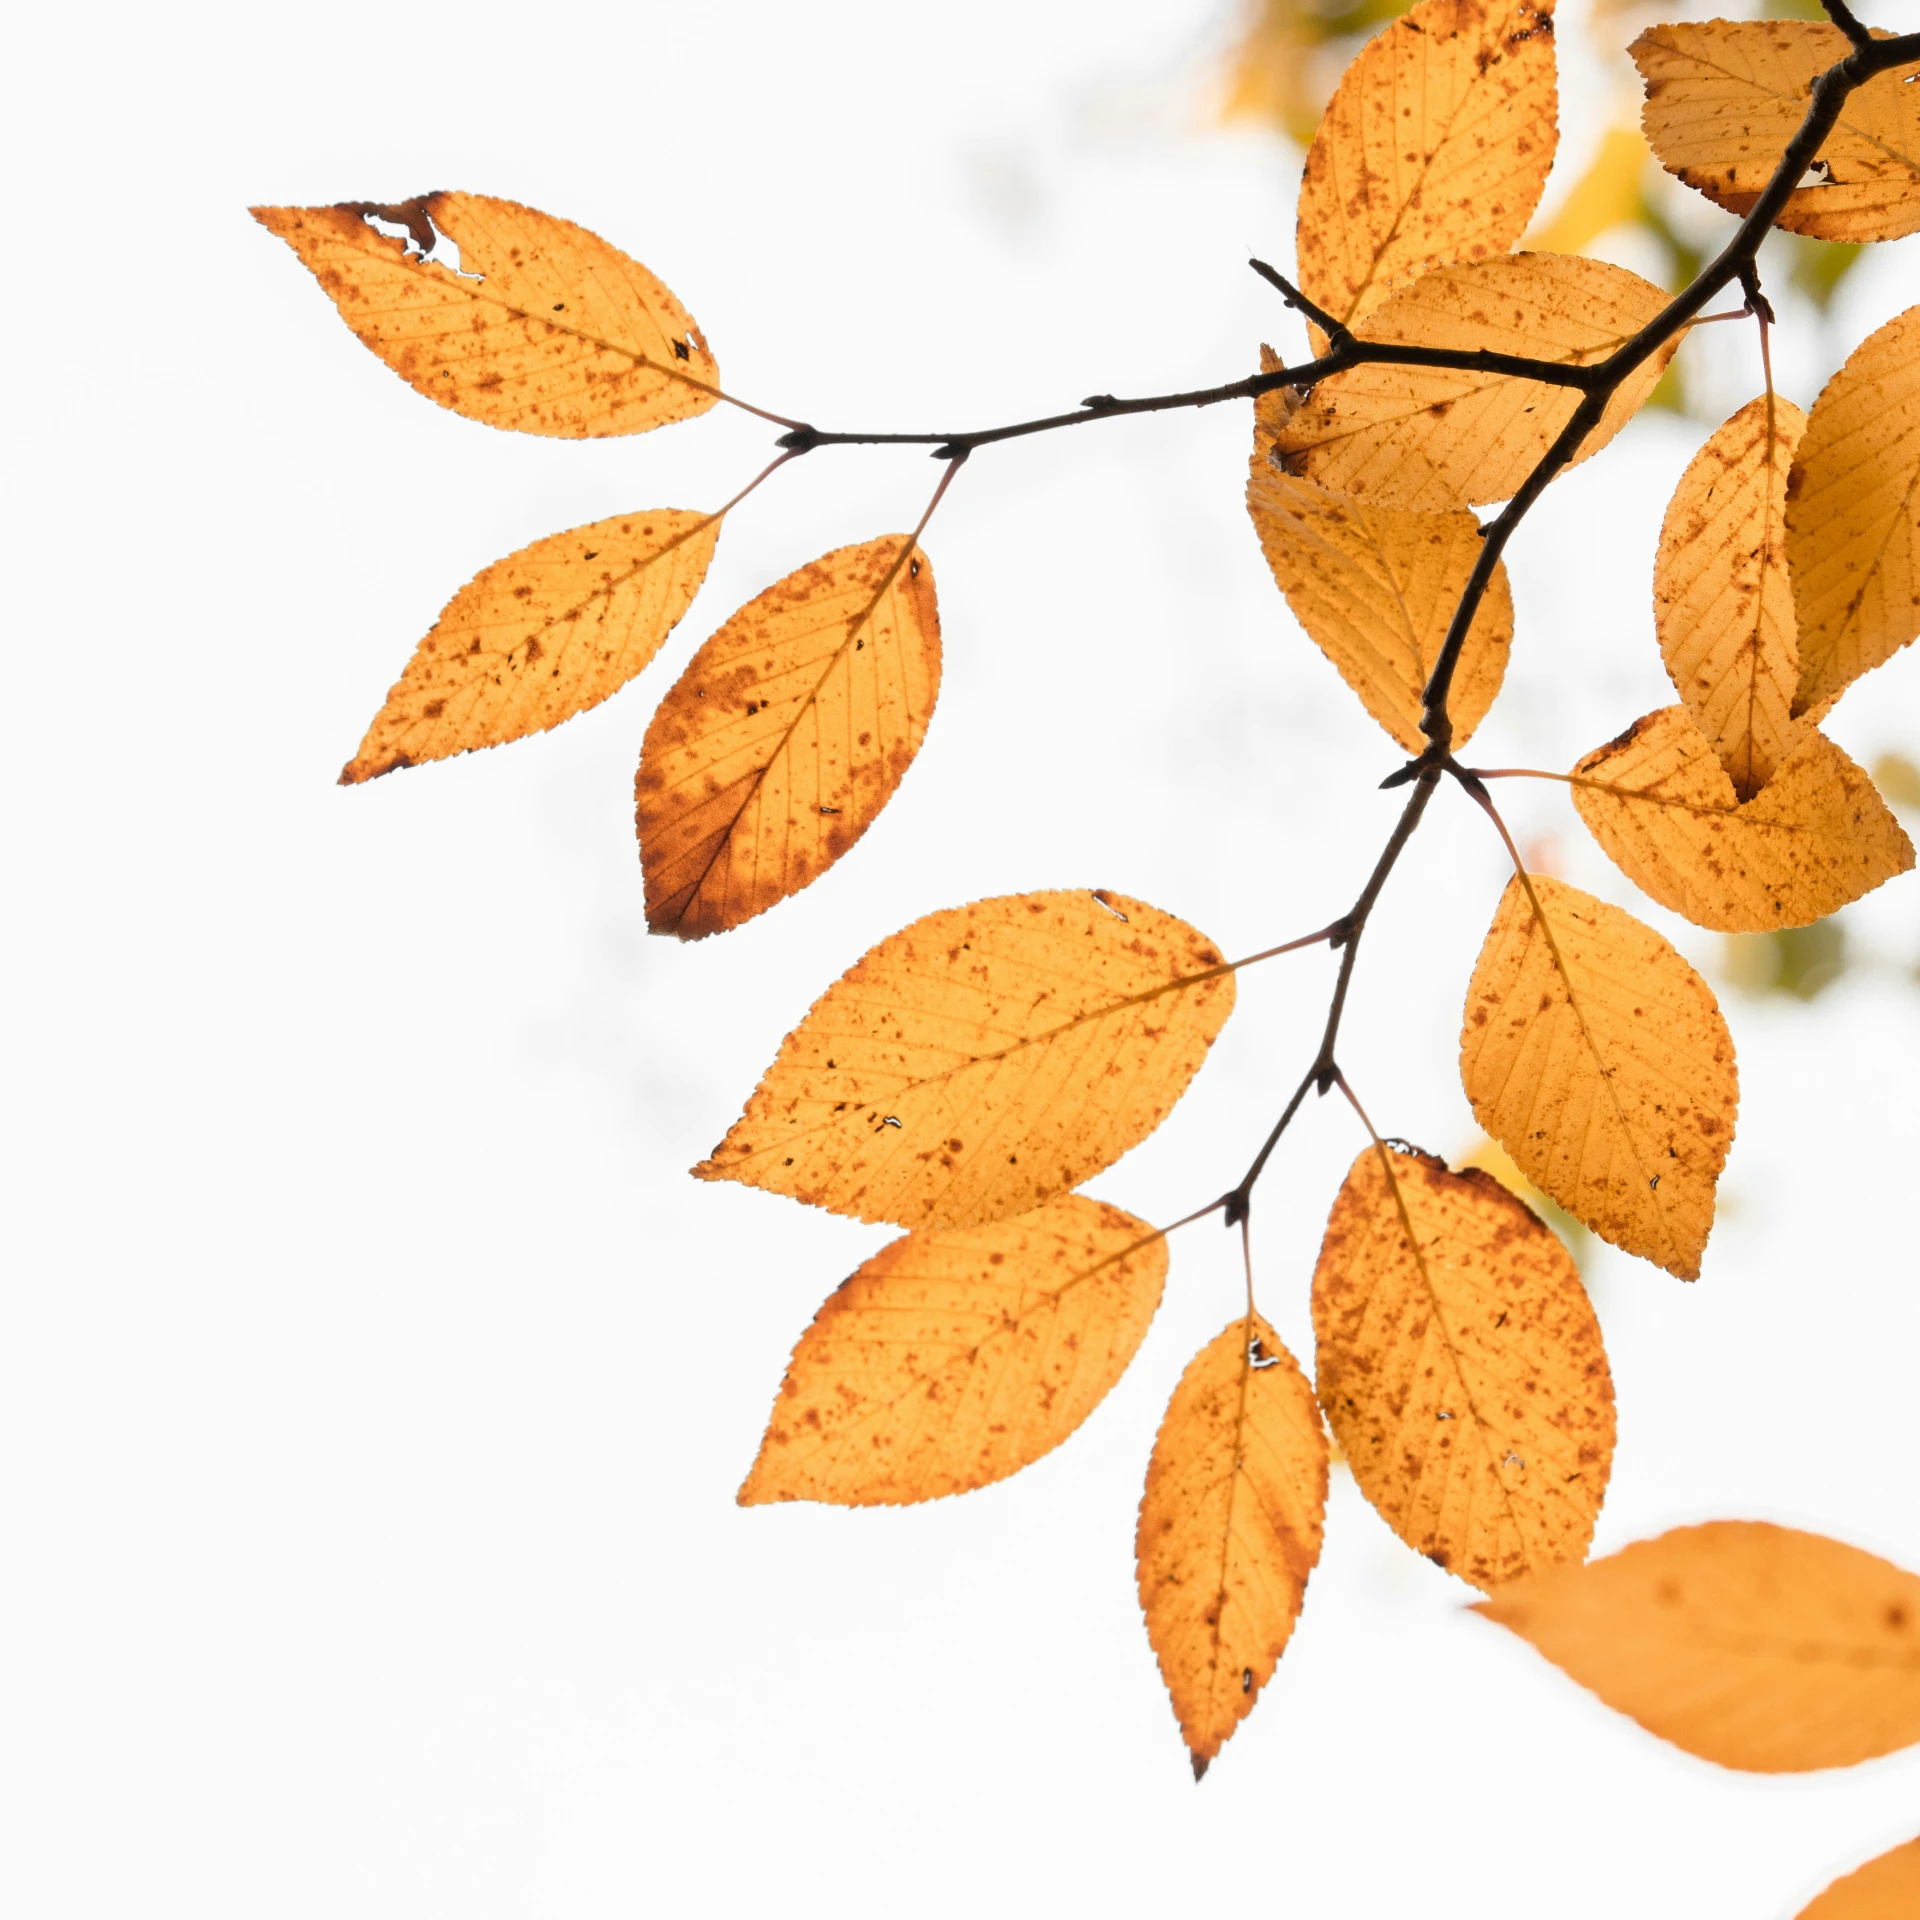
(374, 1384)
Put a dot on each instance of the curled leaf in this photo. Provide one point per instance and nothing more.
(956, 1357)
(1884, 1889)
(983, 1060)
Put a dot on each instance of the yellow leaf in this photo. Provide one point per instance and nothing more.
(1608, 195)
(955, 1358)
(1722, 601)
(1753, 1646)
(1230, 1528)
(1884, 1889)
(1816, 837)
(1433, 438)
(1461, 1368)
(983, 1060)
(544, 328)
(1271, 410)
(1375, 588)
(786, 735)
(540, 636)
(1725, 97)
(1853, 514)
(1598, 1058)
(1434, 147)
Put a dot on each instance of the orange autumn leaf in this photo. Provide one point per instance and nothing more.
(1598, 1058)
(1435, 438)
(1375, 588)
(540, 636)
(1887, 1888)
(956, 1357)
(1725, 97)
(983, 1060)
(1722, 599)
(1434, 148)
(786, 735)
(1460, 1365)
(544, 328)
(1853, 514)
(1230, 1527)
(1751, 1645)
(1816, 837)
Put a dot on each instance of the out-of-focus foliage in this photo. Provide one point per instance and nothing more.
(1801, 961)
(1292, 53)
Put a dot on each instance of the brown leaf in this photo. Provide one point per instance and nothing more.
(1230, 1527)
(1435, 147)
(1853, 514)
(1884, 1889)
(544, 328)
(983, 1061)
(540, 636)
(1753, 1646)
(955, 1358)
(1434, 438)
(1724, 98)
(1722, 601)
(786, 735)
(1816, 837)
(1598, 1058)
(1375, 588)
(1461, 1368)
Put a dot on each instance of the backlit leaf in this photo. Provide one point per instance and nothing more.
(956, 1357)
(786, 735)
(1816, 837)
(1375, 588)
(1853, 514)
(1725, 97)
(1884, 1889)
(540, 636)
(1598, 1058)
(1230, 1527)
(544, 328)
(1722, 601)
(1433, 438)
(1460, 1365)
(1435, 147)
(1751, 1645)
(983, 1061)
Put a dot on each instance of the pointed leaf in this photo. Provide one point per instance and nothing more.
(983, 1060)
(1375, 588)
(1434, 438)
(1853, 514)
(1230, 1528)
(1461, 1368)
(956, 1357)
(1598, 1058)
(540, 636)
(1884, 1889)
(1662, 806)
(1435, 147)
(1753, 1646)
(786, 735)
(543, 328)
(1722, 601)
(1725, 97)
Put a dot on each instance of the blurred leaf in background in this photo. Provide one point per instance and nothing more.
(1801, 961)
(1291, 54)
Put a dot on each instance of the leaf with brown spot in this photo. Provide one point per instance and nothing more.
(956, 1357)
(786, 735)
(1722, 599)
(544, 328)
(1230, 1528)
(1725, 97)
(1435, 438)
(1434, 148)
(1751, 1645)
(1460, 1365)
(1887, 1888)
(1375, 588)
(540, 636)
(1598, 1058)
(983, 1061)
(1817, 836)
(1853, 514)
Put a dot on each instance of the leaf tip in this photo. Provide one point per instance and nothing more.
(1201, 1762)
